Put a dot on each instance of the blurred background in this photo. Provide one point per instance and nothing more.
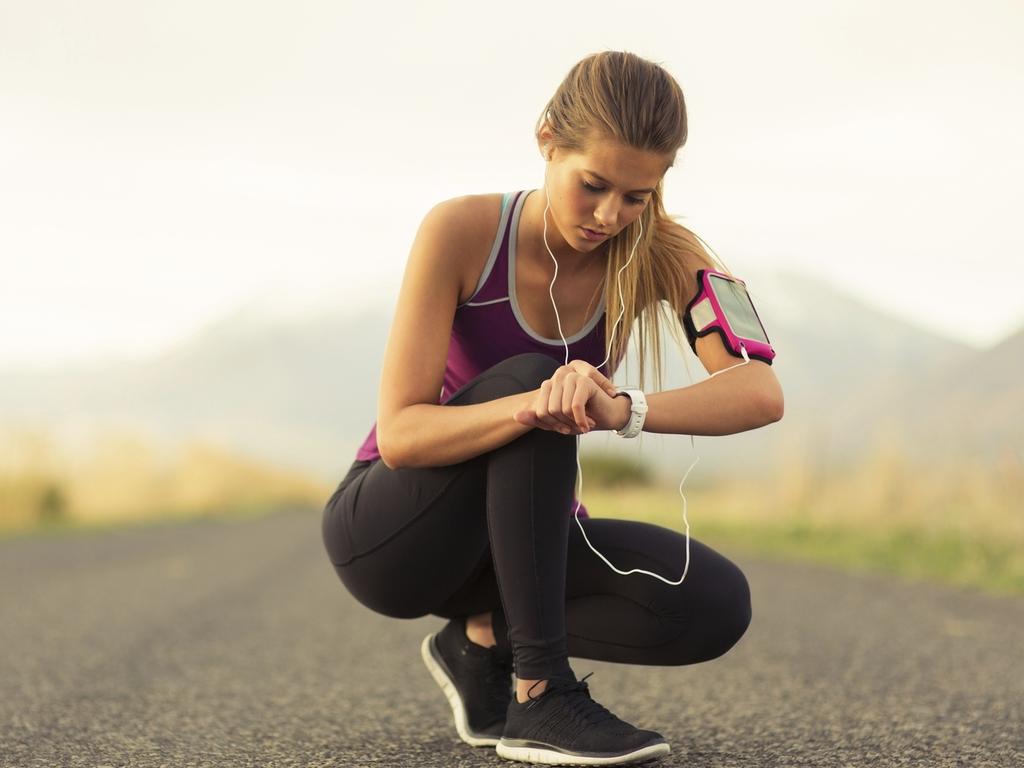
(205, 211)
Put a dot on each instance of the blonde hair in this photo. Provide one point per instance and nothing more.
(620, 96)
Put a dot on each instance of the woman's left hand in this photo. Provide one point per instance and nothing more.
(576, 399)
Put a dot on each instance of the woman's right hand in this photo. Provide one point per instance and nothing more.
(576, 399)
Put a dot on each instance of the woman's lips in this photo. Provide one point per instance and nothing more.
(592, 235)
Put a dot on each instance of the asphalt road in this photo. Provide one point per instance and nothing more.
(232, 643)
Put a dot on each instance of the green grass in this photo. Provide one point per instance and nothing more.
(989, 564)
(982, 560)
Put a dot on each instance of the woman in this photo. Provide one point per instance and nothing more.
(460, 504)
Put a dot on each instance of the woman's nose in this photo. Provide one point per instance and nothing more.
(607, 215)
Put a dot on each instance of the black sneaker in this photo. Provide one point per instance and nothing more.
(565, 726)
(477, 682)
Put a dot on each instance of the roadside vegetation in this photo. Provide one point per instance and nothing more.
(960, 524)
(123, 479)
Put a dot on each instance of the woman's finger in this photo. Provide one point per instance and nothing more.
(541, 405)
(560, 404)
(556, 410)
(528, 417)
(548, 408)
(585, 389)
(569, 384)
(584, 368)
(576, 393)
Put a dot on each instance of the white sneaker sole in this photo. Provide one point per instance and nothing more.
(450, 691)
(548, 756)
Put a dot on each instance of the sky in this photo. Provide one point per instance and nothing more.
(163, 164)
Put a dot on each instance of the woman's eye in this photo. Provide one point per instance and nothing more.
(629, 198)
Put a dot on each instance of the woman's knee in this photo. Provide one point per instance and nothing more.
(735, 613)
(731, 610)
(721, 619)
(530, 369)
(513, 375)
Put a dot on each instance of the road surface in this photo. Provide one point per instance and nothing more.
(232, 643)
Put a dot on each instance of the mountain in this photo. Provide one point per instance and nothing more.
(970, 407)
(297, 393)
(303, 392)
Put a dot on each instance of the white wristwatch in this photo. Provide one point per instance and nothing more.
(637, 412)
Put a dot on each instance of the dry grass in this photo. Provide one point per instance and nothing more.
(961, 523)
(124, 478)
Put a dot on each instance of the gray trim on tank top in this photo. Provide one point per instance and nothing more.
(495, 247)
(512, 289)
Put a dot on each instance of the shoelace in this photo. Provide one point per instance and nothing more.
(577, 694)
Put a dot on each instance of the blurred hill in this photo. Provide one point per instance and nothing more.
(972, 404)
(292, 392)
(302, 392)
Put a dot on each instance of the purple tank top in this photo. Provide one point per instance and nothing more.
(489, 327)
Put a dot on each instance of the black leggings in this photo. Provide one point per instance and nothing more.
(495, 533)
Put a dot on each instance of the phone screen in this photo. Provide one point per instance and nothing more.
(738, 309)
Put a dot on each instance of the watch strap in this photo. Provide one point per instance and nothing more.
(637, 412)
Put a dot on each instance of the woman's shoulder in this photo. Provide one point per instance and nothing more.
(467, 219)
(464, 228)
(467, 225)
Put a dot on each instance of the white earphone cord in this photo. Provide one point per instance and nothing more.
(608, 348)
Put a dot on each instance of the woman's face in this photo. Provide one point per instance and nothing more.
(596, 193)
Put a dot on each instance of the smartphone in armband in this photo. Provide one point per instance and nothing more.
(723, 306)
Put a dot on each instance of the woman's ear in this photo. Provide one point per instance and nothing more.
(544, 142)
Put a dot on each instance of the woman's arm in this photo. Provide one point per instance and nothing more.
(438, 435)
(747, 397)
(744, 398)
(412, 429)
(739, 396)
